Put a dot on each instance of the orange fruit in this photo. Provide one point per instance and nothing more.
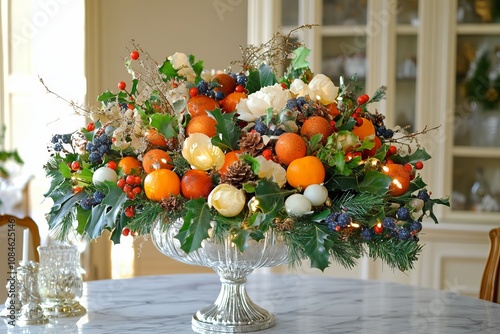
(202, 124)
(366, 129)
(155, 138)
(231, 101)
(314, 125)
(161, 183)
(199, 104)
(227, 83)
(303, 172)
(196, 184)
(290, 146)
(333, 109)
(400, 179)
(229, 158)
(156, 159)
(129, 164)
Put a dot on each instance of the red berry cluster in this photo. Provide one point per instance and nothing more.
(131, 185)
(126, 232)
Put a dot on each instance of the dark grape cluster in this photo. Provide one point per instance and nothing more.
(404, 234)
(58, 141)
(337, 220)
(297, 103)
(403, 213)
(98, 147)
(383, 132)
(423, 195)
(208, 88)
(94, 199)
(367, 234)
(241, 79)
(389, 223)
(263, 129)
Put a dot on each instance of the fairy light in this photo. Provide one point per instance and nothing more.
(254, 204)
(354, 224)
(385, 169)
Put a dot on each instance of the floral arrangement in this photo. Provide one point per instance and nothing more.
(244, 152)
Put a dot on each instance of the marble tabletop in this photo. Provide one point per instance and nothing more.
(301, 304)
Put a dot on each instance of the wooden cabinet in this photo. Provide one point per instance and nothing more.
(422, 51)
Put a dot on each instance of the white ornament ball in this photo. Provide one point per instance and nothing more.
(316, 194)
(104, 174)
(297, 204)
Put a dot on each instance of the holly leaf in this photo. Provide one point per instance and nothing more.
(63, 207)
(240, 238)
(109, 96)
(168, 70)
(253, 83)
(299, 61)
(316, 250)
(416, 184)
(269, 195)
(429, 207)
(165, 124)
(342, 182)
(104, 215)
(375, 183)
(228, 133)
(133, 91)
(419, 155)
(267, 76)
(196, 225)
(197, 67)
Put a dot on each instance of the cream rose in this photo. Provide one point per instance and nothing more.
(257, 103)
(320, 88)
(227, 200)
(198, 150)
(271, 170)
(180, 62)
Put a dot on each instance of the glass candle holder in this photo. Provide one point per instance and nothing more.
(60, 281)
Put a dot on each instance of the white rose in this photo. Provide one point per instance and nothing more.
(321, 88)
(271, 170)
(227, 200)
(299, 88)
(198, 150)
(256, 104)
(180, 62)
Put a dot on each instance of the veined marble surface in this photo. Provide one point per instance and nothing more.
(301, 304)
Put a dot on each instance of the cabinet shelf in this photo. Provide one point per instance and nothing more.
(476, 152)
(478, 29)
(344, 30)
(406, 29)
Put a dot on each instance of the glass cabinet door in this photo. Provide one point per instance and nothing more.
(476, 150)
(344, 39)
(406, 63)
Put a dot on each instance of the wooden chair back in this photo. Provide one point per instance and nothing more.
(491, 276)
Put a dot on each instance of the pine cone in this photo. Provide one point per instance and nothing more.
(251, 142)
(172, 203)
(238, 172)
(286, 224)
(172, 144)
(378, 119)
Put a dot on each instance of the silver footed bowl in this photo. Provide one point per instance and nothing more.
(233, 311)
